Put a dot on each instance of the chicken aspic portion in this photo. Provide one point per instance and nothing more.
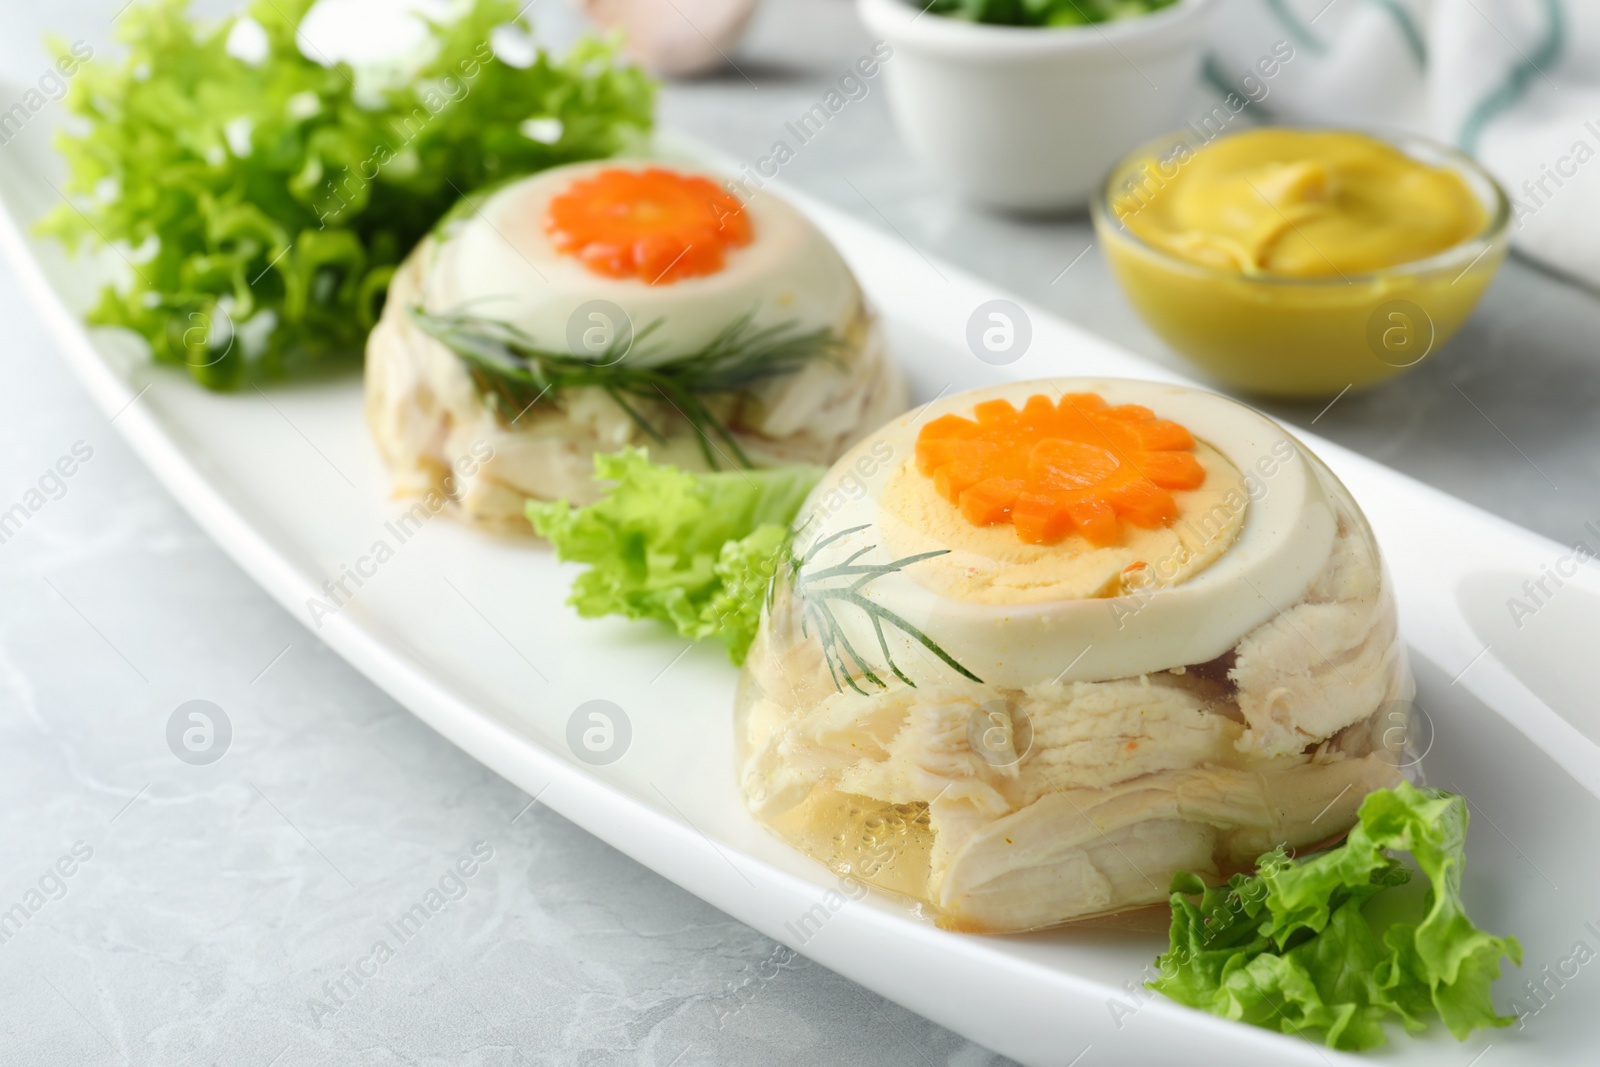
(1017, 720)
(598, 306)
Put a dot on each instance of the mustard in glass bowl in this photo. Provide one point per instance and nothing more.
(1302, 262)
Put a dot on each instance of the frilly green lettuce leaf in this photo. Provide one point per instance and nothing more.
(1291, 949)
(263, 206)
(692, 550)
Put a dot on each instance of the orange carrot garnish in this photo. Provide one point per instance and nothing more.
(1078, 466)
(655, 225)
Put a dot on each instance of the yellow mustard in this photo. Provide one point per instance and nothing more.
(1302, 204)
(1301, 263)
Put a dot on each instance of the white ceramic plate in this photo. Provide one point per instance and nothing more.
(471, 634)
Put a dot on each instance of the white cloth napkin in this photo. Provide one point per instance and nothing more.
(1515, 83)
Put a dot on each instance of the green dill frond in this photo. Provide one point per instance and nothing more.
(512, 374)
(822, 592)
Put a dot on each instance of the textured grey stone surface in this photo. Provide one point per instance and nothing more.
(219, 899)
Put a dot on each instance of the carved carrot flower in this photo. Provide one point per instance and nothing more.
(655, 225)
(1078, 466)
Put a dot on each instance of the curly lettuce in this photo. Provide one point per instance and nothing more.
(1292, 948)
(695, 551)
(263, 198)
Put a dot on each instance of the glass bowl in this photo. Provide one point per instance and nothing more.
(1300, 337)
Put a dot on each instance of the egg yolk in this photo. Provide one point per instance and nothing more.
(655, 225)
(1052, 469)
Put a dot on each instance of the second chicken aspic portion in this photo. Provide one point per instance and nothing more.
(1075, 637)
(623, 303)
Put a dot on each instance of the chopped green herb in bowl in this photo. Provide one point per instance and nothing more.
(1044, 12)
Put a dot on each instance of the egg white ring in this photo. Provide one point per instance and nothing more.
(499, 263)
(1284, 543)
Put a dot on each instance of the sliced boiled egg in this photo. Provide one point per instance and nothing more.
(672, 247)
(1065, 530)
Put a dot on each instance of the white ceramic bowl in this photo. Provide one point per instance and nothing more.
(1032, 118)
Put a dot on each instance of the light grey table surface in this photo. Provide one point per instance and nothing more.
(218, 900)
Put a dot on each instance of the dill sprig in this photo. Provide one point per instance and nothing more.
(512, 373)
(847, 578)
